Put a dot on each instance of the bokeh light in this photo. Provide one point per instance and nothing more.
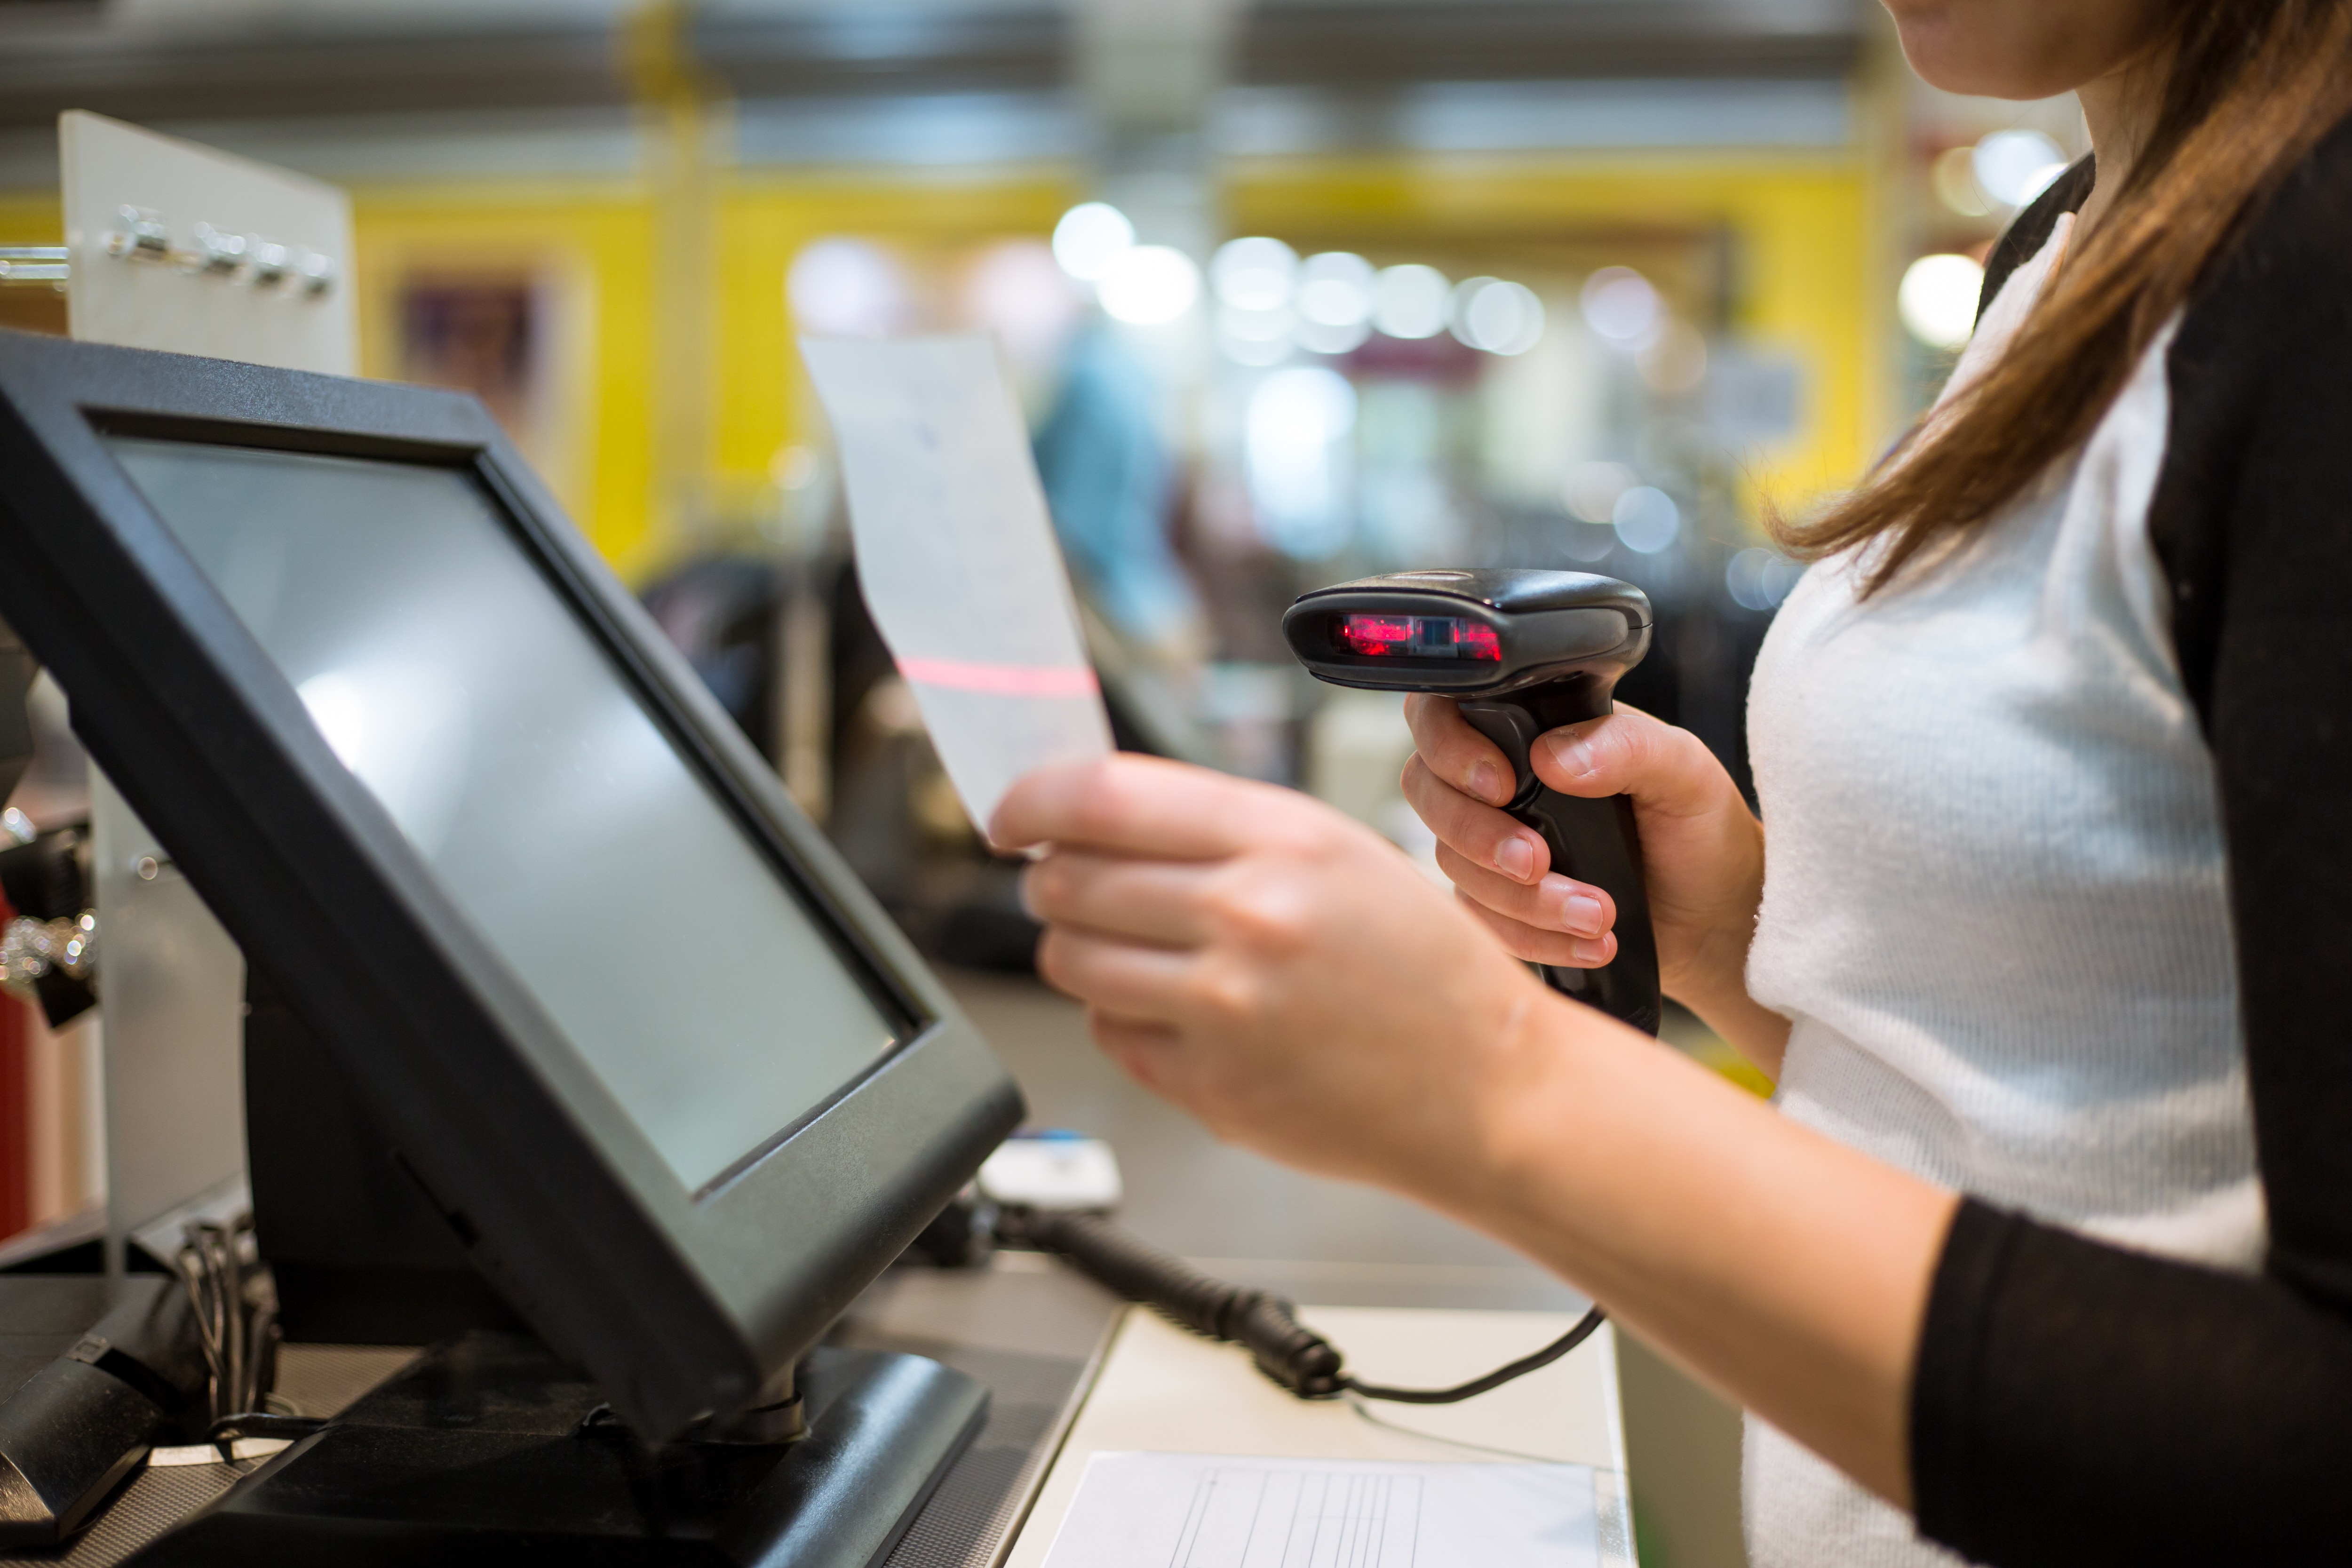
(1256, 337)
(1149, 284)
(1296, 418)
(1677, 363)
(1335, 289)
(1594, 489)
(1306, 404)
(1254, 273)
(1016, 291)
(1759, 579)
(1937, 301)
(1409, 301)
(1319, 337)
(1622, 309)
(1090, 238)
(2014, 166)
(1647, 520)
(1496, 316)
(847, 288)
(1954, 177)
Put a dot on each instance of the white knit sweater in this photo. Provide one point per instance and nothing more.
(1993, 903)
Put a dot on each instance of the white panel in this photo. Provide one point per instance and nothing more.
(175, 303)
(173, 991)
(174, 985)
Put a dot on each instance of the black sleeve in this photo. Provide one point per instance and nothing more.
(2078, 1403)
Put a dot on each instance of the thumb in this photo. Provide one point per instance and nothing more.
(1627, 752)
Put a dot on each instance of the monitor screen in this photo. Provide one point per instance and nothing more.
(594, 859)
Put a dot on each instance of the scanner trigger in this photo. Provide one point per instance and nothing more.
(1514, 731)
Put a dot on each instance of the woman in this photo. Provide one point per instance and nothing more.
(2048, 1243)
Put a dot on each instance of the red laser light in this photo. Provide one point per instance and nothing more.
(1377, 635)
(1418, 636)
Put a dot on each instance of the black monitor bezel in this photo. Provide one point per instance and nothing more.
(679, 1302)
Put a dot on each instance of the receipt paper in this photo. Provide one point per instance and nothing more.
(957, 556)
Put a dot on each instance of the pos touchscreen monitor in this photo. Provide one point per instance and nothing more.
(676, 1082)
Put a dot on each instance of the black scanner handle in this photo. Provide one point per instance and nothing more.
(1593, 841)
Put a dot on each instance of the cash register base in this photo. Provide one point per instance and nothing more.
(489, 1448)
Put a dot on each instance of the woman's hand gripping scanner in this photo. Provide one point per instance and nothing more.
(1520, 653)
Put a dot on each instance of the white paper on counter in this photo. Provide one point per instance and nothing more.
(1215, 1511)
(957, 556)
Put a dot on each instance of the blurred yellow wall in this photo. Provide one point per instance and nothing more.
(601, 247)
(1802, 222)
(595, 244)
(763, 402)
(31, 220)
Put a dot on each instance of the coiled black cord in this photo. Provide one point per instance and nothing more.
(1293, 1355)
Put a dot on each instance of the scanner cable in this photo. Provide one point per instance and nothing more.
(1265, 1324)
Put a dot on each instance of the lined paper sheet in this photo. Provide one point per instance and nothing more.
(1211, 1511)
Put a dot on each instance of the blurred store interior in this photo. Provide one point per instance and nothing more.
(1294, 290)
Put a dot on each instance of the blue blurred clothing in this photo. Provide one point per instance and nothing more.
(1106, 479)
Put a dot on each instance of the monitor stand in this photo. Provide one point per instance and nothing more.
(489, 1445)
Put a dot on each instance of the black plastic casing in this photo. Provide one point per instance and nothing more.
(678, 1303)
(127, 1377)
(1569, 627)
(15, 725)
(488, 1449)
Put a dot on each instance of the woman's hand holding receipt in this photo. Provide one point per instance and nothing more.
(1285, 974)
(1228, 936)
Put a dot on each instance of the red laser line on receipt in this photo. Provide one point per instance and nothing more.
(1001, 679)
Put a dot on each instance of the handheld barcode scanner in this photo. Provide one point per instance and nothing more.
(1520, 652)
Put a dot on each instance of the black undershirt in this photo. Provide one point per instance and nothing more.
(2078, 1403)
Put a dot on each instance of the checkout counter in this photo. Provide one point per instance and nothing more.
(568, 1029)
(1073, 1371)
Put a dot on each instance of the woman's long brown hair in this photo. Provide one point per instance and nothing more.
(2252, 86)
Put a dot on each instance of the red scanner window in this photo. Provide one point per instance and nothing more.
(1418, 636)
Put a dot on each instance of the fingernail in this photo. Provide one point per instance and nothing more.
(1516, 859)
(1570, 753)
(1588, 950)
(1486, 781)
(1582, 913)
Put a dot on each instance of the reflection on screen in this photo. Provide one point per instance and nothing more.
(463, 692)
